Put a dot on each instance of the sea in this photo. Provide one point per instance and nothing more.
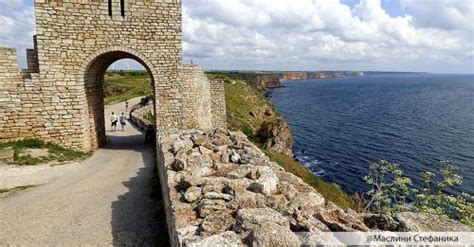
(414, 119)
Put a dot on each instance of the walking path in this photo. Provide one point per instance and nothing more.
(104, 200)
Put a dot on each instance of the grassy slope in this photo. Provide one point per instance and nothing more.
(243, 98)
(133, 84)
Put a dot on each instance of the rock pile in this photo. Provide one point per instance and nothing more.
(224, 189)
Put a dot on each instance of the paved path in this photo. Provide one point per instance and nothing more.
(103, 201)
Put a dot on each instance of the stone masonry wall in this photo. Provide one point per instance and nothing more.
(218, 106)
(20, 101)
(60, 94)
(74, 34)
(197, 97)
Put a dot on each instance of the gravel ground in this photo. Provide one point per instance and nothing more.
(105, 200)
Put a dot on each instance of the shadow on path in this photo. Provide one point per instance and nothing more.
(138, 217)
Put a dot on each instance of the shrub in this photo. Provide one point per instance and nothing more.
(393, 192)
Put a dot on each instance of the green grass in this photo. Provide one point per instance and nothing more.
(56, 153)
(242, 99)
(330, 191)
(126, 85)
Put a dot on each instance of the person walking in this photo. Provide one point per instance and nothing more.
(123, 121)
(113, 121)
(126, 106)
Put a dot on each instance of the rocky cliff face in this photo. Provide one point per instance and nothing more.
(263, 81)
(248, 110)
(291, 76)
(276, 136)
(223, 190)
(333, 74)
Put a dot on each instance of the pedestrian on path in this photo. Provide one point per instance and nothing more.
(123, 121)
(113, 121)
(126, 106)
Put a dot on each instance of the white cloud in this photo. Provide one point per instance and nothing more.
(17, 27)
(305, 34)
(326, 34)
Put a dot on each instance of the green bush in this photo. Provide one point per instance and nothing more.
(393, 192)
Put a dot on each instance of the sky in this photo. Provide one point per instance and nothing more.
(369, 35)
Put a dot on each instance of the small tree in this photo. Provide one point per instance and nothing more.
(389, 188)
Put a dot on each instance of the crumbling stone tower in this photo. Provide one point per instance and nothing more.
(59, 98)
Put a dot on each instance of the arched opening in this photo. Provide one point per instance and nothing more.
(104, 72)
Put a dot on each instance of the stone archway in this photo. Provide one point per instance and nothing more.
(94, 71)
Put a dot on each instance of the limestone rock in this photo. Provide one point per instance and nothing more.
(266, 182)
(247, 199)
(180, 143)
(193, 194)
(428, 223)
(235, 157)
(337, 220)
(381, 222)
(308, 201)
(304, 221)
(217, 196)
(271, 234)
(207, 207)
(253, 218)
(217, 222)
(178, 165)
(287, 190)
(277, 202)
(226, 239)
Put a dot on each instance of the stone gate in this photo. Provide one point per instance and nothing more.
(59, 97)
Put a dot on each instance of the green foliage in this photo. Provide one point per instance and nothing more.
(393, 192)
(125, 85)
(145, 100)
(149, 117)
(56, 153)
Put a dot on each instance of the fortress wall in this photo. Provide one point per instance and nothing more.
(197, 97)
(72, 34)
(218, 105)
(10, 77)
(59, 98)
(20, 101)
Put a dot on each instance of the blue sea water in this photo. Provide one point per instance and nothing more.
(341, 125)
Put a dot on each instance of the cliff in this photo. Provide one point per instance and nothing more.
(292, 76)
(248, 110)
(334, 74)
(263, 81)
(320, 75)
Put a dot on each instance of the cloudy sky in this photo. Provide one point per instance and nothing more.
(393, 35)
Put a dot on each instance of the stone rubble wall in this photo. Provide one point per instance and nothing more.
(219, 189)
(137, 116)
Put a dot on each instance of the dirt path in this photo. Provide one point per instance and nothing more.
(104, 200)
